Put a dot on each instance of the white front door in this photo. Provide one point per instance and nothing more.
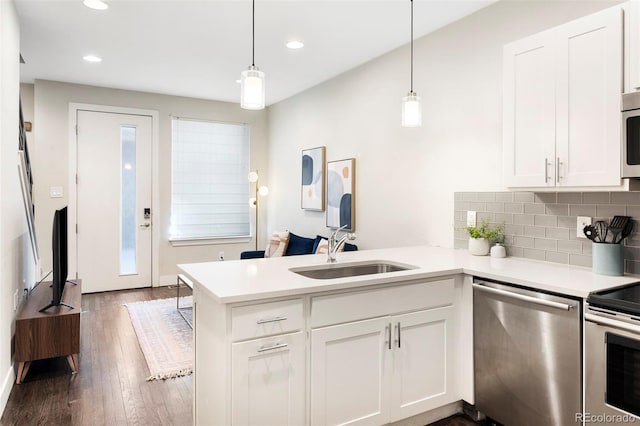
(113, 190)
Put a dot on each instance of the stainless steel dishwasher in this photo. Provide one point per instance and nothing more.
(527, 355)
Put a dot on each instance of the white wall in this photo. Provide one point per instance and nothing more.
(405, 177)
(51, 163)
(17, 266)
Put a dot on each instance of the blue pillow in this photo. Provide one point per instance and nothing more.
(316, 242)
(299, 245)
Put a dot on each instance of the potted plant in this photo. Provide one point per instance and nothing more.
(481, 237)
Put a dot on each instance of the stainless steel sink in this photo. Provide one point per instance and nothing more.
(345, 270)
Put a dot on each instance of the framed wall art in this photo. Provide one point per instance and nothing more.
(341, 186)
(313, 172)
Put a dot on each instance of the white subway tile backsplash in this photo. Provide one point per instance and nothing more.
(523, 197)
(544, 220)
(533, 231)
(596, 198)
(531, 208)
(523, 219)
(546, 197)
(570, 197)
(542, 225)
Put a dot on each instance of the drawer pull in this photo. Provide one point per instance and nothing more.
(274, 347)
(268, 320)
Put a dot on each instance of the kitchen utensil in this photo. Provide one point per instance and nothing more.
(617, 225)
(602, 229)
(628, 229)
(590, 232)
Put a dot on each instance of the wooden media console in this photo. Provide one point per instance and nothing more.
(53, 333)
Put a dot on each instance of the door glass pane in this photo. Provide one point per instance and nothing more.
(128, 230)
(623, 373)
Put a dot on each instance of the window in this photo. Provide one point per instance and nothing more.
(209, 187)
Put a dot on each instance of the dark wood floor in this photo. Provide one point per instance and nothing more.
(110, 388)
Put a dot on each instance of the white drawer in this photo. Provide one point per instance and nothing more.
(347, 307)
(266, 319)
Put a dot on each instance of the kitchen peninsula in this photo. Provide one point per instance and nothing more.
(273, 346)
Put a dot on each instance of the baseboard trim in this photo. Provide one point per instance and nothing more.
(166, 280)
(431, 416)
(7, 385)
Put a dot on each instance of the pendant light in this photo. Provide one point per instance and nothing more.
(252, 80)
(411, 104)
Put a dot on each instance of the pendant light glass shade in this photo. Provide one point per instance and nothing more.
(411, 110)
(411, 104)
(252, 80)
(252, 88)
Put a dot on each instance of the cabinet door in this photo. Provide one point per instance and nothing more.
(268, 381)
(634, 44)
(589, 87)
(350, 365)
(423, 362)
(529, 112)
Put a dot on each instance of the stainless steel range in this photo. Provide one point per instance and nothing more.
(612, 356)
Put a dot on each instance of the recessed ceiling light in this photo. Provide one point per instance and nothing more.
(92, 58)
(295, 45)
(238, 81)
(96, 4)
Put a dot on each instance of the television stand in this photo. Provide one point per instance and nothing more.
(55, 333)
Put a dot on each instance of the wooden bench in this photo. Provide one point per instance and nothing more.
(186, 281)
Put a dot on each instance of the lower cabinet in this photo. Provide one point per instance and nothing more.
(268, 381)
(381, 370)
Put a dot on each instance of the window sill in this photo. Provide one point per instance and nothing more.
(206, 241)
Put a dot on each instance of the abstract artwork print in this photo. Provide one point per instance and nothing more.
(313, 168)
(341, 185)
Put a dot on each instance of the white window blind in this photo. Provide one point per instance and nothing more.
(209, 186)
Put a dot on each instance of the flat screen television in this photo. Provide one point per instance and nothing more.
(60, 254)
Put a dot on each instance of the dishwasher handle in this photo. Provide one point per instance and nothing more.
(524, 298)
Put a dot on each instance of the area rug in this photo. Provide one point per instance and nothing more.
(164, 336)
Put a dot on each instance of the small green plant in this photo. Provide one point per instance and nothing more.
(494, 234)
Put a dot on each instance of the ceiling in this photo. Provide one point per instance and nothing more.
(198, 48)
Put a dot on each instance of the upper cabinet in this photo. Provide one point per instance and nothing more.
(633, 45)
(561, 105)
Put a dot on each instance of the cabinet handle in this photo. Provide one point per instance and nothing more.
(399, 339)
(546, 170)
(558, 163)
(274, 347)
(387, 332)
(268, 320)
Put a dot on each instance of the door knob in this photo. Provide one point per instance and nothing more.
(145, 225)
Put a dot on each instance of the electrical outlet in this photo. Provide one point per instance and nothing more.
(221, 255)
(471, 218)
(582, 221)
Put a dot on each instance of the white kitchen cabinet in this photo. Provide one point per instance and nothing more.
(529, 111)
(561, 104)
(350, 365)
(268, 381)
(250, 362)
(388, 368)
(633, 35)
(423, 356)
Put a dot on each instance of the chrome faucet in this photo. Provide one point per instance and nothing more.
(335, 243)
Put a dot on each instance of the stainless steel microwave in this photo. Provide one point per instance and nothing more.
(631, 135)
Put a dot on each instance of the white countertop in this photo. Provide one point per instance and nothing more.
(254, 279)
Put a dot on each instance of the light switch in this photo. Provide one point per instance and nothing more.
(55, 192)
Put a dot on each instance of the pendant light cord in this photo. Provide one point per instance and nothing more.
(253, 32)
(411, 46)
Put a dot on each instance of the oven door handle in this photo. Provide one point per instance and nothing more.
(524, 297)
(597, 319)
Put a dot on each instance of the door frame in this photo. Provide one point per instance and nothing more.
(155, 180)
